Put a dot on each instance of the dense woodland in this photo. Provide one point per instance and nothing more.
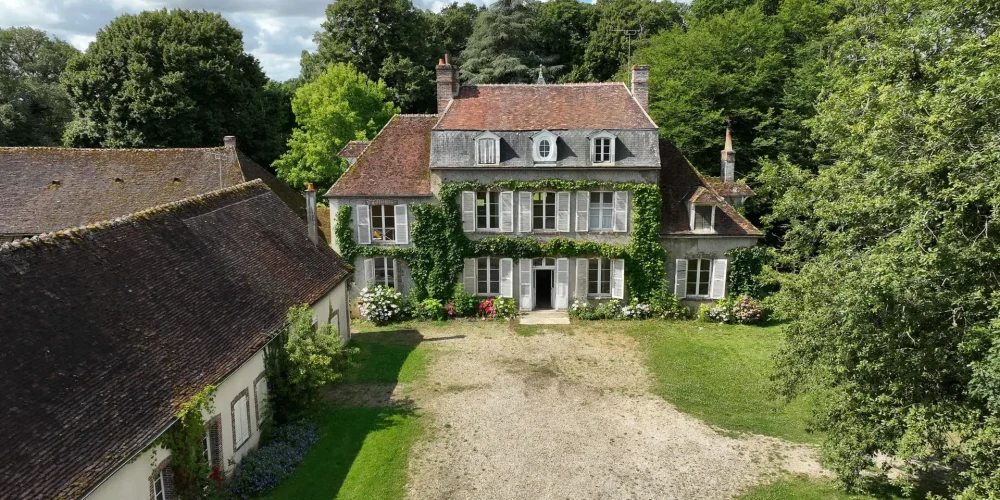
(868, 128)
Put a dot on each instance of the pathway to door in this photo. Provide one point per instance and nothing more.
(569, 414)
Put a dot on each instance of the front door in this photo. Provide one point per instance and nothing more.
(544, 288)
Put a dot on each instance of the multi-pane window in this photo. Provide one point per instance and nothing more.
(698, 277)
(383, 222)
(206, 443)
(488, 278)
(602, 149)
(487, 210)
(544, 148)
(602, 210)
(599, 281)
(385, 271)
(703, 218)
(544, 262)
(159, 491)
(544, 211)
(486, 151)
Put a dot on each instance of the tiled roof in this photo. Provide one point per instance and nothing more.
(396, 163)
(48, 189)
(679, 183)
(107, 328)
(353, 149)
(728, 188)
(705, 195)
(537, 107)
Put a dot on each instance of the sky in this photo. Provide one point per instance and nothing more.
(275, 31)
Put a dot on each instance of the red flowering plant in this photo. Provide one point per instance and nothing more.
(487, 310)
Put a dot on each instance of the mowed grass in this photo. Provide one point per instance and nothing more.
(804, 488)
(363, 452)
(722, 375)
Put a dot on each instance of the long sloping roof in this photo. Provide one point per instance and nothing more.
(537, 107)
(107, 328)
(681, 183)
(49, 189)
(396, 163)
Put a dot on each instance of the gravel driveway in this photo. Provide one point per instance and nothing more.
(569, 415)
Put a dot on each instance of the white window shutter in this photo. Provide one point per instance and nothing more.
(507, 278)
(468, 211)
(469, 275)
(507, 212)
(364, 225)
(718, 287)
(395, 276)
(618, 279)
(562, 211)
(562, 282)
(524, 211)
(582, 211)
(369, 267)
(582, 276)
(524, 282)
(621, 211)
(680, 278)
(402, 225)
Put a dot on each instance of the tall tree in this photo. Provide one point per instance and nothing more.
(34, 108)
(894, 313)
(338, 106)
(505, 46)
(451, 29)
(609, 43)
(564, 28)
(163, 78)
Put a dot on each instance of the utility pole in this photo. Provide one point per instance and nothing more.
(630, 34)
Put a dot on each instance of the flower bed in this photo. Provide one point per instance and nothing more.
(742, 310)
(263, 469)
(380, 304)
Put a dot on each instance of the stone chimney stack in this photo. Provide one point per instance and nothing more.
(311, 223)
(728, 171)
(640, 85)
(447, 83)
(229, 141)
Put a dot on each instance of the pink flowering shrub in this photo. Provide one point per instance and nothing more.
(497, 308)
(742, 310)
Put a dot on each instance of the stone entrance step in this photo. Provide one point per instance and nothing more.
(548, 317)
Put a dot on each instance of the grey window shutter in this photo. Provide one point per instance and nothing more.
(507, 278)
(468, 211)
(562, 211)
(369, 267)
(562, 283)
(395, 275)
(621, 211)
(582, 276)
(582, 211)
(524, 282)
(618, 279)
(402, 225)
(469, 275)
(680, 278)
(364, 225)
(215, 438)
(718, 287)
(524, 211)
(507, 212)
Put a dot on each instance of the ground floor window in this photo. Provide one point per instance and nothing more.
(385, 271)
(159, 490)
(488, 276)
(699, 277)
(599, 282)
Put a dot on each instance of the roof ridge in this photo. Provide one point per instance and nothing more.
(415, 115)
(145, 214)
(56, 148)
(571, 84)
(367, 148)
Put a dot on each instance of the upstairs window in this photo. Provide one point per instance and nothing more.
(545, 147)
(383, 222)
(602, 148)
(487, 210)
(488, 149)
(698, 277)
(544, 211)
(602, 210)
(703, 218)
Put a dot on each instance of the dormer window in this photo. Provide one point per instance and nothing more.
(602, 148)
(487, 149)
(545, 149)
(703, 218)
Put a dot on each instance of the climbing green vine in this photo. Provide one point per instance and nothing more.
(184, 440)
(440, 245)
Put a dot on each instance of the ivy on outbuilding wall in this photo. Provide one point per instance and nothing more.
(184, 440)
(439, 244)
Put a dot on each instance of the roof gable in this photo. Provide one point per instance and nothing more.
(395, 163)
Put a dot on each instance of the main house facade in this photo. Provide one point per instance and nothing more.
(563, 165)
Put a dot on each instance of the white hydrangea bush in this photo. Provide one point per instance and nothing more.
(380, 304)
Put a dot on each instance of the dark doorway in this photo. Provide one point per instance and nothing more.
(543, 289)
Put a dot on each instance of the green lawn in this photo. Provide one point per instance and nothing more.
(721, 374)
(803, 488)
(363, 452)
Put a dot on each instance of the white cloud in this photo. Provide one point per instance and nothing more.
(80, 41)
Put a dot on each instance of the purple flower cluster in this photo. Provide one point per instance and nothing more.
(264, 468)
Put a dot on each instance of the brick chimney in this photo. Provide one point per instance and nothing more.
(728, 171)
(447, 83)
(640, 85)
(311, 223)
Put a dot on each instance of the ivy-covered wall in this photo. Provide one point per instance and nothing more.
(439, 245)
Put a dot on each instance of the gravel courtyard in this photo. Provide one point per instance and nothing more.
(568, 415)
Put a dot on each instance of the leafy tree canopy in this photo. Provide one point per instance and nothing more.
(608, 46)
(34, 108)
(564, 28)
(339, 106)
(505, 46)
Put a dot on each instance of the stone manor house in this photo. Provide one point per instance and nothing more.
(599, 132)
